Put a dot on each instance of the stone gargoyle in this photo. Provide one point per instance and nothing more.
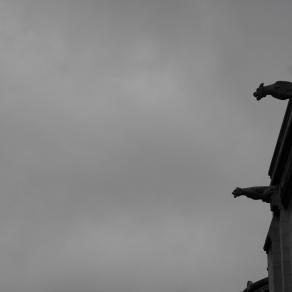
(280, 90)
(263, 193)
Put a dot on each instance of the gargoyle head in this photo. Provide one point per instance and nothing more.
(237, 192)
(260, 92)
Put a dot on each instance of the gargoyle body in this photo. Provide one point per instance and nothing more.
(281, 90)
(263, 193)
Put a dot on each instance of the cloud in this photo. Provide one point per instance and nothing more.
(123, 130)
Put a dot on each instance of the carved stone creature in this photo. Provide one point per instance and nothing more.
(280, 90)
(256, 193)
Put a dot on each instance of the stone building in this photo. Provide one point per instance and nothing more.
(278, 244)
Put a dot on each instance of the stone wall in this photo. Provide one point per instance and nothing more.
(278, 243)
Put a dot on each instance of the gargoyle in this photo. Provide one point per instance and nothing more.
(280, 90)
(256, 193)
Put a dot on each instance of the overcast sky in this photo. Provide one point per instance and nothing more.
(124, 127)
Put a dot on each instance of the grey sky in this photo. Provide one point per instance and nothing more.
(124, 127)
